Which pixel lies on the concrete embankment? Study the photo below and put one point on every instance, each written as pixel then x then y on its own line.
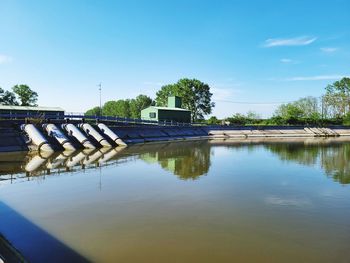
pixel 277 131
pixel 14 136
pixel 144 134
pixel 159 133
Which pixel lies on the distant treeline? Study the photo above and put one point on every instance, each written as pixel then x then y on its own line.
pixel 333 108
pixel 129 108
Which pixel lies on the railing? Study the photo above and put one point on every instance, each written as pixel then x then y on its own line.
pixel 79 116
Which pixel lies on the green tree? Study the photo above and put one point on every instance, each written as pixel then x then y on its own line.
pixel 337 98
pixel 252 115
pixel 346 119
pixel 119 108
pixel 26 95
pixel 309 107
pixel 139 103
pixel 237 119
pixel 302 111
pixel 290 112
pixel 251 118
pixel 196 96
pixel 123 108
pixel 110 108
pixel 93 112
pixel 7 97
pixel 213 120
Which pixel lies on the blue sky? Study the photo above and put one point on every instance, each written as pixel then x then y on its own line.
pixel 247 51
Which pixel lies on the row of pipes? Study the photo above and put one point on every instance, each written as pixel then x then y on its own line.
pixel 38 139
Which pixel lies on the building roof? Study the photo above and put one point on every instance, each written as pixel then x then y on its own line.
pixel 29 108
pixel 166 108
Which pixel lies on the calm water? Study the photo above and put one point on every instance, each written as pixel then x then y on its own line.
pixel 218 201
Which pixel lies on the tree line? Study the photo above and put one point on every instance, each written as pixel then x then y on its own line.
pixel 196 97
pixel 21 95
pixel 332 108
pixel 129 108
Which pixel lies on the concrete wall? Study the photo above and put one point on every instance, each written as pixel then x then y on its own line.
pixel 135 134
pixel 11 137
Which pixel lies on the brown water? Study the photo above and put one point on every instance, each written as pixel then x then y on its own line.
pixel 218 201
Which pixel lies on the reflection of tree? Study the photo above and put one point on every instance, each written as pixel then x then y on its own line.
pixel 297 152
pixel 334 158
pixel 336 163
pixel 186 160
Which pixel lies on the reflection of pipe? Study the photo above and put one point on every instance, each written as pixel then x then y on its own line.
pixel 92 158
pixel 59 136
pixel 37 161
pixel 104 128
pixel 91 131
pixel 37 138
pixel 75 132
pixel 109 155
pixel 73 161
pixel 59 160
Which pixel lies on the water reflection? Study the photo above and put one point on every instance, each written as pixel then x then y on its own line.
pixel 336 163
pixel 297 152
pixel 333 156
pixel 187 160
pixel 34 164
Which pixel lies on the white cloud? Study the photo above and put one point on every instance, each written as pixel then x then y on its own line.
pixel 319 77
pixel 329 49
pixel 288 61
pixel 296 41
pixel 5 59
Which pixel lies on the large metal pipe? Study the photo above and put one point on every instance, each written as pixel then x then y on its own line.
pixel 37 138
pixel 88 129
pixel 53 131
pixel 106 130
pixel 75 132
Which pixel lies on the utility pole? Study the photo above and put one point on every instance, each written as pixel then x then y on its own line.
pixel 100 89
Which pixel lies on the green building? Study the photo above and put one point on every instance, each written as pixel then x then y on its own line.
pixel 173 112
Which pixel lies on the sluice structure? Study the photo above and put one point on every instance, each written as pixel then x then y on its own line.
pixel 75 134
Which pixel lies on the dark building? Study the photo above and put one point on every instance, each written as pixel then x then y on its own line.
pixel 49 112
